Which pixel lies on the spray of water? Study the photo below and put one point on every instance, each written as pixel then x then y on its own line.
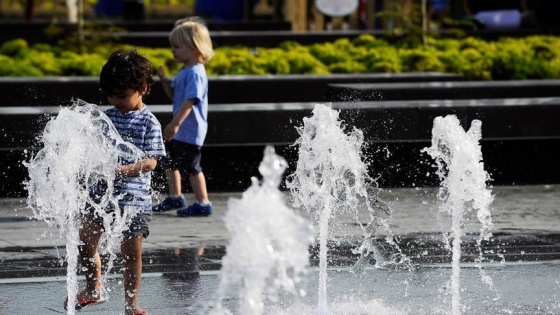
pixel 331 178
pixel 463 188
pixel 268 248
pixel 80 150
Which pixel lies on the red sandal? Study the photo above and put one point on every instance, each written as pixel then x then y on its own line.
pixel 83 302
pixel 138 312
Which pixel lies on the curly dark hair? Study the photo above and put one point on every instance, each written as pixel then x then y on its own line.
pixel 125 70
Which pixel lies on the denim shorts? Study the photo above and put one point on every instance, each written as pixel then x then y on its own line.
pixel 182 156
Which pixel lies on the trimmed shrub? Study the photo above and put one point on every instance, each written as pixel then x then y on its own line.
pixel 382 59
pixel 15 48
pixel 534 57
pixel 347 66
pixel 72 64
pixel 422 60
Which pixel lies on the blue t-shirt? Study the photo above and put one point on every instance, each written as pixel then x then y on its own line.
pixel 192 83
pixel 142 129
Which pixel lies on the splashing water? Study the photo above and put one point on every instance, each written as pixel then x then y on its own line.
pixel 80 150
pixel 463 187
pixel 268 248
pixel 331 179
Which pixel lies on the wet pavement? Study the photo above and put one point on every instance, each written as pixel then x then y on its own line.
pixel 526 227
pixel 526 231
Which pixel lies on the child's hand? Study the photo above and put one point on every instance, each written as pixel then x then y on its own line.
pixel 170 131
pixel 160 73
pixel 118 171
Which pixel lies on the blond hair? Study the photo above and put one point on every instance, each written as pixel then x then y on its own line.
pixel 193 32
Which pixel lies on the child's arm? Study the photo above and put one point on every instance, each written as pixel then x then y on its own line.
pixel 135 169
pixel 165 83
pixel 171 129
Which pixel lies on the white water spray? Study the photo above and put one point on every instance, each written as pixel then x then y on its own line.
pixel 331 179
pixel 80 150
pixel 268 248
pixel 463 186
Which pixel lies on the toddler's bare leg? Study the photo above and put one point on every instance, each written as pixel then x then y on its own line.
pixel 198 184
pixel 131 250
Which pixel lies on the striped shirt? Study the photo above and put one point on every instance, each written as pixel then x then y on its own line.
pixel 142 129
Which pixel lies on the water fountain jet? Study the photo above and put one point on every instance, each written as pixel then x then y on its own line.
pixel 80 151
pixel 463 188
pixel 268 248
pixel 331 178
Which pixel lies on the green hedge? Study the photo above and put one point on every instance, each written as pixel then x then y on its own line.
pixel 534 57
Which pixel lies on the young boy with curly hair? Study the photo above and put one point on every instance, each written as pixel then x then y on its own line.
pixel 125 78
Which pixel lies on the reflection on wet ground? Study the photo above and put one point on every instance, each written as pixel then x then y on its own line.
pixel 519 288
pixel 182 260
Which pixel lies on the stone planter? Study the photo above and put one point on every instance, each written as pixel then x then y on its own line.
pixel 395 112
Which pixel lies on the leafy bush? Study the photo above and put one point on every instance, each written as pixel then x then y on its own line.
pixel 305 64
pixel 347 66
pixel 383 59
pixel 160 58
pixel 72 64
pixel 369 41
pixel 45 62
pixel 422 60
pixel 14 48
pixel 514 60
pixel 273 62
pixel 10 67
pixel 328 53
pixel 534 57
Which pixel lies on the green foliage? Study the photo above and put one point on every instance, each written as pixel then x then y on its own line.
pixel 347 66
pixel 515 61
pixel 241 61
pixel 45 62
pixel 10 67
pixel 406 23
pixel 289 45
pixel 91 35
pixel 470 63
pixel 535 57
pixel 160 58
pixel 14 48
pixel 73 64
pixel 273 61
pixel 305 64
pixel 382 59
pixel 369 41
pixel 422 60
pixel 328 53
pixel 220 63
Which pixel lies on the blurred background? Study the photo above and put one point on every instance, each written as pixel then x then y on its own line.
pixel 297 15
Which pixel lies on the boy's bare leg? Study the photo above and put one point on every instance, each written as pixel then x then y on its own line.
pixel 90 233
pixel 173 182
pixel 131 250
pixel 198 184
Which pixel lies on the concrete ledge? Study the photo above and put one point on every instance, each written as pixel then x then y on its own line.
pixel 289 88
pixel 52 91
pixel 341 92
pixel 381 122
pixel 520 137
pixel 520 133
